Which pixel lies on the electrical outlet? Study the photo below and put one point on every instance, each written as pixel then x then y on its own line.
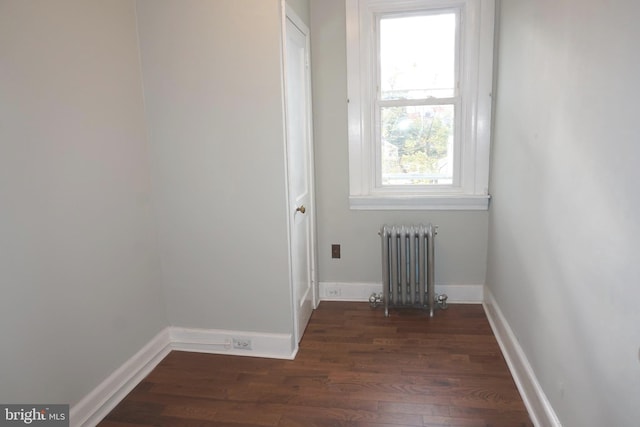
pixel 334 292
pixel 335 251
pixel 242 343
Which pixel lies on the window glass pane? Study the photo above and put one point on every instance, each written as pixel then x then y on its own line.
pixel 417 56
pixel 417 145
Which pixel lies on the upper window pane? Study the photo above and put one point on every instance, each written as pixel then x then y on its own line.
pixel 418 56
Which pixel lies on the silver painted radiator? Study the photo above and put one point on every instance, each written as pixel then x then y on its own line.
pixel 408 263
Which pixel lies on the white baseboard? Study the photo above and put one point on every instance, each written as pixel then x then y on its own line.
pixel 274 346
pixel 99 402
pixel 337 291
pixel 538 406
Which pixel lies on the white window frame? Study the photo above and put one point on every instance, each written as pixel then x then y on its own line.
pixel 470 188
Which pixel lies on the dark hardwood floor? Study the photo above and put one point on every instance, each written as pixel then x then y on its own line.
pixel 354 368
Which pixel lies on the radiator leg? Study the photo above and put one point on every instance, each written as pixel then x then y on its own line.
pixel 386 280
pixel 431 277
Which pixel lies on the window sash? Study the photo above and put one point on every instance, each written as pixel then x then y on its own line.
pixel 379 187
pixel 380 103
pixel 432 11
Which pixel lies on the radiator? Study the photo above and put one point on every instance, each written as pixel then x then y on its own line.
pixel 408 280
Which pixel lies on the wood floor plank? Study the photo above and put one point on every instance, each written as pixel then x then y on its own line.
pixel 354 368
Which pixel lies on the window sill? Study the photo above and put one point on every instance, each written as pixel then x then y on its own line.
pixel 426 203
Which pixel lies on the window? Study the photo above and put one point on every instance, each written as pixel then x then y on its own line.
pixel 419 86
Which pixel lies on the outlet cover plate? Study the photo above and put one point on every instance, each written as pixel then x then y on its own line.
pixel 242 343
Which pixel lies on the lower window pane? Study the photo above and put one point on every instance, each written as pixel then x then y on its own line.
pixel 417 145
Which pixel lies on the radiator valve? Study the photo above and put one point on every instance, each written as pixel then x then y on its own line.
pixel 441 300
pixel 375 299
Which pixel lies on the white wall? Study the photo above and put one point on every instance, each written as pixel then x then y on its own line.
pixel 564 263
pixel 213 90
pixel 79 269
pixel 462 238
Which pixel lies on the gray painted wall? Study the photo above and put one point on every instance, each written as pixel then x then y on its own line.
pixel 302 9
pixel 83 261
pixel 213 90
pixel 79 268
pixel 462 239
pixel 564 263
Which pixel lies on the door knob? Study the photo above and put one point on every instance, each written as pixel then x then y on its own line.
pixel 301 209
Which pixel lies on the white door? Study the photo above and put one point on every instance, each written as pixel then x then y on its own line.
pixel 300 170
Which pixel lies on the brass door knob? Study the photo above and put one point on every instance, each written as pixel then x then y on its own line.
pixel 301 209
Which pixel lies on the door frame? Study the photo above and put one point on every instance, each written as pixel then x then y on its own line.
pixel 287 13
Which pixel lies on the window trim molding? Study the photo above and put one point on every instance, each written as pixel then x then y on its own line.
pixel 445 202
pixel 477 50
